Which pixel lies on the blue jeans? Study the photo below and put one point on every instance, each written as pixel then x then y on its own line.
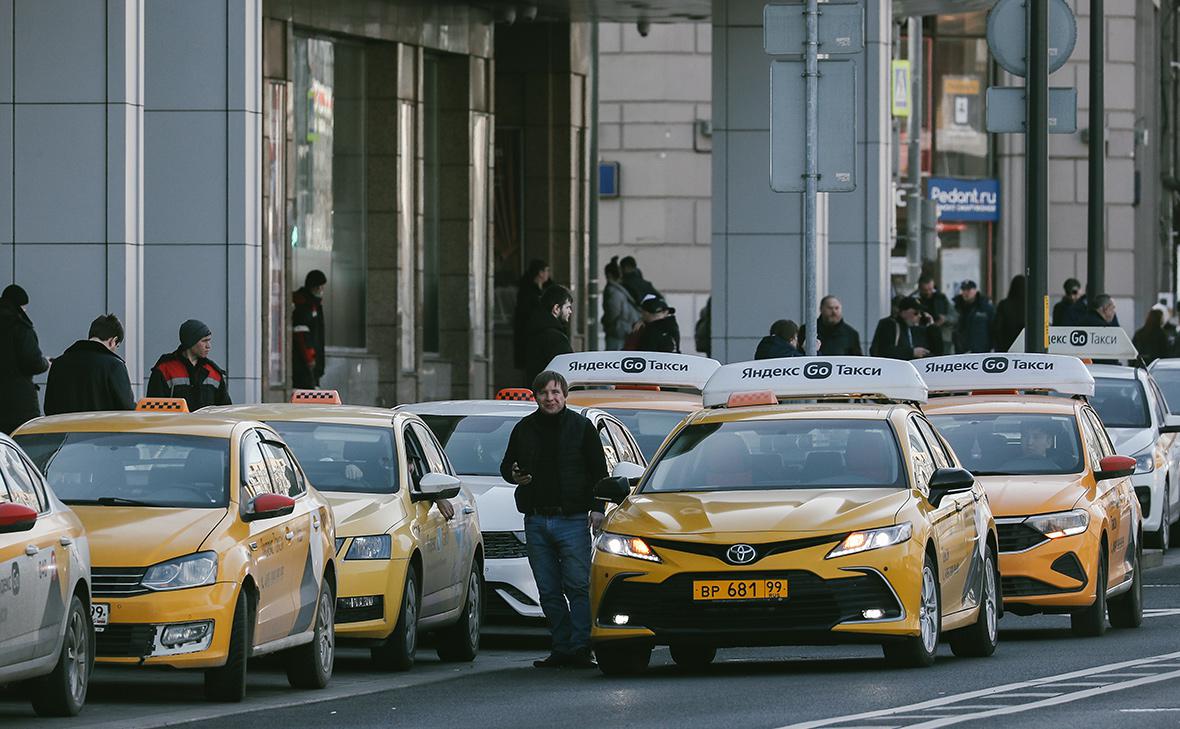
pixel 559 554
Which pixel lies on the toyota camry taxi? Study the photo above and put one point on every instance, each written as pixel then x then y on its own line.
pixel 810 503
pixel 208 545
pixel 649 392
pixel 1071 537
pixel 404 566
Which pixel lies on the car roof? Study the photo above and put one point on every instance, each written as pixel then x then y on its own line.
pixel 1171 363
pixel 980 404
pixel 681 402
pixel 199 423
pixel 1120 372
pixel 343 414
pixel 800 411
pixel 508 408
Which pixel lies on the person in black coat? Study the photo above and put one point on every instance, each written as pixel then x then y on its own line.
pixel 90 376
pixel 528 299
pixel 908 334
pixel 1152 340
pixel 1009 321
pixel 634 281
pixel 973 328
pixel 1101 314
pixel 659 331
pixel 307 344
pixel 781 342
pixel 1063 311
pixel 20 360
pixel 547 333
pixel 836 337
pixel 189 373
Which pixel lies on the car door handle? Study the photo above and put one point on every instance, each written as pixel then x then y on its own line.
pixel 31 550
pixel 289 535
pixel 315 521
pixel 468 510
pixel 958 506
pixel 253 546
pixel 66 541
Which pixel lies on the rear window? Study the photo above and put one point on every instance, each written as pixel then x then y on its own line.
pixel 348 458
pixel 1120 403
pixel 1013 444
pixel 475 444
pixel 133 469
pixel 779 454
pixel 648 427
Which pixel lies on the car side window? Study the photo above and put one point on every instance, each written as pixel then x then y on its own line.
pixel 284 476
pixel 255 476
pixel 920 457
pixel 608 447
pixel 1161 404
pixel 4 497
pixel 20 482
pixel 416 462
pixel 1101 437
pixel 434 456
pixel 626 451
pixel 942 459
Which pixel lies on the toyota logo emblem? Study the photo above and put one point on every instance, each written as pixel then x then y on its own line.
pixel 741 554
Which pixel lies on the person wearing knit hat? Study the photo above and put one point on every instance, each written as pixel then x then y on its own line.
pixel 307 341
pixel 20 361
pixel 188 372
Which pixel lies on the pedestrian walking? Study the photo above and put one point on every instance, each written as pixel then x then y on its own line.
pixel 781 342
pixel 973 327
pixel 20 360
pixel 836 337
pixel 188 372
pixel 307 344
pixel 547 334
pixel 1009 320
pixel 90 376
pixel 659 330
pixel 620 313
pixel 555 459
pixel 634 281
pixel 1101 313
pixel 703 332
pixel 1152 339
pixel 904 335
pixel 528 299
pixel 1063 310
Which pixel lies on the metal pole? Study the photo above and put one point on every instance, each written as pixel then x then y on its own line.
pixel 1036 234
pixel 1095 242
pixel 811 74
pixel 592 223
pixel 914 200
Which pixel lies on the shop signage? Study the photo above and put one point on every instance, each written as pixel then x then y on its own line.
pixel 965 200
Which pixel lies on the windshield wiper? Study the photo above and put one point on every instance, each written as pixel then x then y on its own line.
pixel 109 501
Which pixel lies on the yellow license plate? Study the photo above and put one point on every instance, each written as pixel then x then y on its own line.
pixel 756 589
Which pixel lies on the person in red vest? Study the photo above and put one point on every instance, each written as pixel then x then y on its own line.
pixel 188 372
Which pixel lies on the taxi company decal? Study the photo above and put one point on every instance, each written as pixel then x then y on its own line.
pixel 630 365
pixel 811 370
pixel 1082 338
pixel 991 365
pixel 11 583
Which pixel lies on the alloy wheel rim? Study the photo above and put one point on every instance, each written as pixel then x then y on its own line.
pixel 928 611
pixel 77 657
pixel 327 638
pixel 989 599
pixel 411 609
pixel 473 609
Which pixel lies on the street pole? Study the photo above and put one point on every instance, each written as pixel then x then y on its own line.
pixel 811 173
pixel 1036 232
pixel 1095 241
pixel 914 201
pixel 592 223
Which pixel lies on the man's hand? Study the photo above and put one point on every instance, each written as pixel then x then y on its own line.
pixel 352 472
pixel 596 518
pixel 920 352
pixel 445 508
pixel 521 478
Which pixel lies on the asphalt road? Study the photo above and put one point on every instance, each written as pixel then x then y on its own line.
pixel 1039 676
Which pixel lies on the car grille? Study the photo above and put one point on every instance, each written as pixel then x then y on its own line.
pixel 1028 586
pixel 124 640
pixel 503 545
pixel 117 581
pixel 346 614
pixel 1068 565
pixel 812 603
pixel 1018 537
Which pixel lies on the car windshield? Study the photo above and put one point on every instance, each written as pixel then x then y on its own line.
pixel 1120 403
pixel 351 458
pixel 1169 382
pixel 475 443
pixel 648 427
pixel 1013 444
pixel 133 469
pixel 779 454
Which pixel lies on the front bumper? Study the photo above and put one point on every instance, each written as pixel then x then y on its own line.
pixel 511 589
pixel 137 623
pixel 381 579
pixel 1149 489
pixel 1041 575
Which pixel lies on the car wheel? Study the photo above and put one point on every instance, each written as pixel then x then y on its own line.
pixel 1126 610
pixel 1162 537
pixel 397 652
pixel 460 642
pixel 63 691
pixel 309 666
pixel 623 658
pixel 919 651
pixel 693 656
pixel 1090 622
pixel 979 640
pixel 228 683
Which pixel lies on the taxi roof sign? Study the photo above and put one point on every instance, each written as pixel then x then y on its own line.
pixel 1088 342
pixel 162 404
pixel 818 378
pixel 515 393
pixel 665 369
pixel 316 397
pixel 1006 371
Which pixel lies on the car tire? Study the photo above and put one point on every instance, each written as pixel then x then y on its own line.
pixel 63 691
pixel 979 640
pixel 396 653
pixel 1162 538
pixel 692 656
pixel 460 642
pixel 623 658
pixel 309 666
pixel 228 683
pixel 920 650
pixel 1090 622
pixel 1126 610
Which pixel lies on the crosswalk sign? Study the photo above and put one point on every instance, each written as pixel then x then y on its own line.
pixel 900 82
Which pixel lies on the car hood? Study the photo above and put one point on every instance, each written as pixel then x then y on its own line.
pixel 1129 441
pixel 135 536
pixel 496 503
pixel 1027 495
pixel 814 511
pixel 359 514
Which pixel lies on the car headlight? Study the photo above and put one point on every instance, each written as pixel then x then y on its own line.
pixel 626 547
pixel 1061 524
pixel 1146 462
pixel 192 570
pixel 863 541
pixel 378 546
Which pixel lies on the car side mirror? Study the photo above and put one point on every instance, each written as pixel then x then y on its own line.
pixel 268 506
pixel 1114 467
pixel 1171 424
pixel 436 486
pixel 627 470
pixel 946 481
pixel 613 489
pixel 16 518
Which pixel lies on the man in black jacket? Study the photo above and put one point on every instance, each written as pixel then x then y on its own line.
pixel 781 342
pixel 20 360
pixel 307 344
pixel 90 376
pixel 973 328
pixel 547 335
pixel 188 372
pixel 837 338
pixel 659 331
pixel 555 459
pixel 909 334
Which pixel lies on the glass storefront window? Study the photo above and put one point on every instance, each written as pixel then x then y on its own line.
pixel 329 226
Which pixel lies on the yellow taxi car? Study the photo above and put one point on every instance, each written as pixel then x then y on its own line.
pixel 649 392
pixel 810 503
pixel 208 545
pixel 1070 527
pixel 408 545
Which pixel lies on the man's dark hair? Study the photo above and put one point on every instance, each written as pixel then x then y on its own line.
pixel 925 279
pixel 784 328
pixel 106 327
pixel 612 268
pixel 628 263
pixel 1100 301
pixel 315 278
pixel 541 381
pixel 555 295
pixel 1072 285
pixel 535 267
pixel 827 298
pixel 908 302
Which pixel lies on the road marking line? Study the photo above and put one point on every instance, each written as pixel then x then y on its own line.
pixel 1033 693
pixel 1123 675
pixel 1161 613
pixel 1088 683
pixel 1144 711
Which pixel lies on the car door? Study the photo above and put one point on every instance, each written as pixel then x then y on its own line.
pixel 968 548
pixel 608 446
pixel 431 529
pixel 13 608
pixel 1115 496
pixel 302 566
pixel 456 542
pixel 944 521
pixel 268 545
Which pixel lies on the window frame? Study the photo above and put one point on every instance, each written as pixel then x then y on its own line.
pixel 245 495
pixel 38 488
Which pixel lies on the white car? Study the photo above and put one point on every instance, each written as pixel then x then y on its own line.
pixel 474 434
pixel 1135 414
